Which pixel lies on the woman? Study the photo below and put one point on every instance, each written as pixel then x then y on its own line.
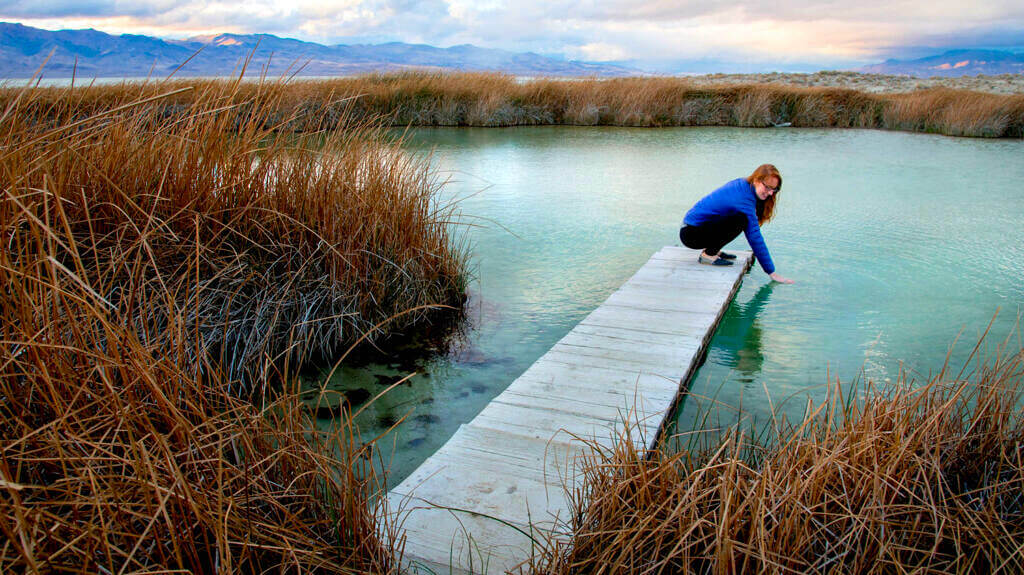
pixel 742 205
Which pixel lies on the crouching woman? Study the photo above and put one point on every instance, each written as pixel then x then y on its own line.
pixel 742 205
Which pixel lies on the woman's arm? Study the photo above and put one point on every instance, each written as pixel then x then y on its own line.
pixel 756 241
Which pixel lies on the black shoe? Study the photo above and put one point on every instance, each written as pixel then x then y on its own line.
pixel 719 261
pixel 726 256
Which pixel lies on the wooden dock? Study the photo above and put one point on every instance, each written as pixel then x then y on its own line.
pixel 476 505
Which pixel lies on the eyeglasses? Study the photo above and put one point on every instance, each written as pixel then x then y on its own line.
pixel 770 189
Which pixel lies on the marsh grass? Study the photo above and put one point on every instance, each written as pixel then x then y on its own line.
pixel 118 459
pixel 906 478
pixel 157 268
pixel 491 100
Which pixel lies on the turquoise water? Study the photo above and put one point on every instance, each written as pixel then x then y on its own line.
pixel 898 243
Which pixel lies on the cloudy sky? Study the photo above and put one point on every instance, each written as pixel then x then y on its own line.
pixel 822 33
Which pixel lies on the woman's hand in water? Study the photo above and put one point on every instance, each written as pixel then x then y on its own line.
pixel 782 280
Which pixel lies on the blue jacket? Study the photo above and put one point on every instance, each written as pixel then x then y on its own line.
pixel 735 197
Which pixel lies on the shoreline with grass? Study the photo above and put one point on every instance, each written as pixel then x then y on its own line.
pixel 1007 84
pixel 827 100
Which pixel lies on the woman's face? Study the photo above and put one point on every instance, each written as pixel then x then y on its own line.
pixel 766 188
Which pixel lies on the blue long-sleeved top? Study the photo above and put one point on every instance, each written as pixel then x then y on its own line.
pixel 735 197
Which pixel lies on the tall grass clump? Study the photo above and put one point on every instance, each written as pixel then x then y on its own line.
pixel 956 113
pixel 273 245
pixel 925 479
pixel 117 458
pixel 135 249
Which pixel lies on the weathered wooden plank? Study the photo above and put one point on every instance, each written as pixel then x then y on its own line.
pixel 644 351
pixel 587 406
pixel 676 253
pixel 681 276
pixel 636 334
pixel 546 424
pixel 691 269
pixel 524 449
pixel 569 355
pixel 678 323
pixel 682 286
pixel 443 541
pixel 618 379
pixel 602 339
pixel 612 395
pixel 478 504
pixel 481 483
pixel 548 462
pixel 643 297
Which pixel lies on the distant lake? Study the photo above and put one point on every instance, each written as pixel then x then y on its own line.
pixel 899 243
pixel 83 81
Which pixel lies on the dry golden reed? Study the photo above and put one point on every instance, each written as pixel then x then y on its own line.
pixel 275 245
pixel 115 458
pixel 906 479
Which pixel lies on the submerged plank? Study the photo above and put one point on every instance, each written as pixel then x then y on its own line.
pixel 501 484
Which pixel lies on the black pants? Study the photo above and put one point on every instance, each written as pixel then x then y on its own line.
pixel 711 236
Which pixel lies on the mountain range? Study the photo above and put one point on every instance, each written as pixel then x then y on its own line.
pixel 95 54
pixel 954 63
pixel 90 53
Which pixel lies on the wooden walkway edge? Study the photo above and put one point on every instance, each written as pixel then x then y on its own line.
pixel 500 482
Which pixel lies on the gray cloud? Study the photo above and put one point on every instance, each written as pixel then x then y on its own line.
pixel 80 8
pixel 906 11
pixel 781 30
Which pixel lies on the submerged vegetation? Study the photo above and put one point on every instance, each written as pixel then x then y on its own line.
pixel 479 99
pixel 926 479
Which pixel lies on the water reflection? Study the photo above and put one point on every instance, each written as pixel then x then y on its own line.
pixel 739 346
pixel 742 333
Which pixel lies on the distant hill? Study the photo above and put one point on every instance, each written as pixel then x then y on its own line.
pixel 954 63
pixel 23 49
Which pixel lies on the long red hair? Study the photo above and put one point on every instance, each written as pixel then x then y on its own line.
pixel 766 208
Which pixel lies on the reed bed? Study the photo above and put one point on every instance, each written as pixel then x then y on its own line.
pixel 117 458
pixel 901 479
pixel 493 100
pixel 274 245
